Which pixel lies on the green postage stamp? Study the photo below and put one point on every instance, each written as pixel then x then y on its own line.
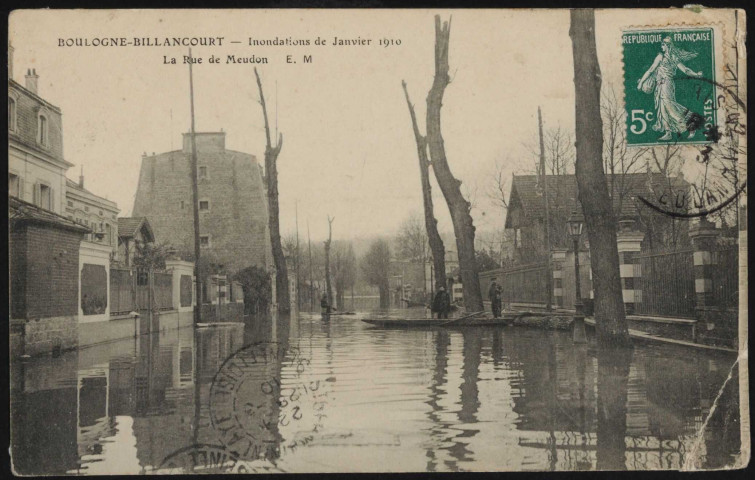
pixel 669 85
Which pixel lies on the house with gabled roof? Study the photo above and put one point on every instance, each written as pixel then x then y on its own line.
pixel 525 216
pixel 132 231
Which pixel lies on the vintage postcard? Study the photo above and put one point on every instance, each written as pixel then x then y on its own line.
pixel 302 241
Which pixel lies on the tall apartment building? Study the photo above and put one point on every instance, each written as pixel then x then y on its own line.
pixel 233 218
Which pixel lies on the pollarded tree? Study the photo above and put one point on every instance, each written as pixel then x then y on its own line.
pixel 344 270
pixel 375 266
pixel 458 206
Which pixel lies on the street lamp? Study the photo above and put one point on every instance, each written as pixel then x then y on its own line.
pixel 574 225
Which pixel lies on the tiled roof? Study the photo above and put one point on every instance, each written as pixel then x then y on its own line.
pixel 20 210
pixel 129 226
pixel 562 190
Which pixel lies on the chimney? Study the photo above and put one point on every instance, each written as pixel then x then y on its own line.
pixel 10 61
pixel 31 80
pixel 81 177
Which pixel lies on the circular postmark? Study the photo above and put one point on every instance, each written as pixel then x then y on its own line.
pixel 201 458
pixel 709 178
pixel 258 393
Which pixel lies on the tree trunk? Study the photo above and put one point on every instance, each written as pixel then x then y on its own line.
pixel 458 206
pixel 431 224
pixel 327 262
pixel 612 392
pixel 385 296
pixel 271 171
pixel 610 320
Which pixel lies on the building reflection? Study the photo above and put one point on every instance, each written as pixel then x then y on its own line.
pixel 65 409
pixel 576 408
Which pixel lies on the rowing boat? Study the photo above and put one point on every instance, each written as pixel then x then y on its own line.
pixel 435 322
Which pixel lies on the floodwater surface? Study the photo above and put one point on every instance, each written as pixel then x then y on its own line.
pixel 312 395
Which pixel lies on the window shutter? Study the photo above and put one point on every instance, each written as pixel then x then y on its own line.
pixel 36 194
pixel 52 200
pixel 21 188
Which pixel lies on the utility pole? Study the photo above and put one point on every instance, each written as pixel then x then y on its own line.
pixel 311 285
pixel 298 297
pixel 195 203
pixel 548 271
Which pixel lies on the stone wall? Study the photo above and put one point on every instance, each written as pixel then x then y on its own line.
pixel 228 312
pixel 236 217
pixel 50 335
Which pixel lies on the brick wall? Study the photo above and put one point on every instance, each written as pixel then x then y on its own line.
pixel 237 217
pixel 44 271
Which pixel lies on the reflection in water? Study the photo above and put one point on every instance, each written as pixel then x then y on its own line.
pixel 434 400
pixel 613 377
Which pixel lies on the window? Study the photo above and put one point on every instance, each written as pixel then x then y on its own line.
pixel 42 134
pixel 182 204
pixel 86 208
pixel 14 185
pixel 100 212
pixel 202 173
pixel 70 203
pixel 11 114
pixel 204 240
pixel 204 205
pixel 45 197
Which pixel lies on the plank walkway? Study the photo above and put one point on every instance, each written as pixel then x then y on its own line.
pixel 655 338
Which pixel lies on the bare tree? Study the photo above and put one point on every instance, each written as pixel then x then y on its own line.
pixel 458 206
pixel 437 247
pixel 413 244
pixel 375 266
pixel 618 160
pixel 497 191
pixel 271 176
pixel 344 270
pixel 610 320
pixel 558 144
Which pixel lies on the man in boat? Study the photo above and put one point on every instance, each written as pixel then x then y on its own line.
pixel 441 302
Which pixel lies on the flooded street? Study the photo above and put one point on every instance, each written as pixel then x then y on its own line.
pixel 308 394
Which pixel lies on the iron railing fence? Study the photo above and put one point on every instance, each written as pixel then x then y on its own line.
pixel 121 291
pixel 725 276
pixel 664 284
pixel 163 290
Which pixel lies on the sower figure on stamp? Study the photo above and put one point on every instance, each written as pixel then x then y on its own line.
pixel 671 117
pixel 441 302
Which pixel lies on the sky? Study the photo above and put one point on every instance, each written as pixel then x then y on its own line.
pixel 348 150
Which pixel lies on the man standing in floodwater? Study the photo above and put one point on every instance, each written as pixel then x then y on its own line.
pixel 324 304
pixel 441 302
pixel 494 295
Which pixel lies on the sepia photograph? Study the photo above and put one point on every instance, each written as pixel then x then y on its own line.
pixel 377 240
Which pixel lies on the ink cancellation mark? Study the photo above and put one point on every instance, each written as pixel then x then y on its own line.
pixel 250 404
pixel 201 458
pixel 714 180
